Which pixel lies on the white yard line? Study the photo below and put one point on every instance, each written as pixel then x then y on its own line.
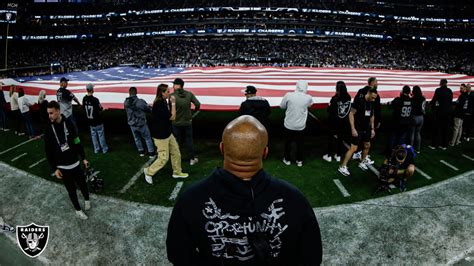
pixel 468 157
pixel 176 190
pixel 422 173
pixel 373 169
pixel 14 147
pixel 19 156
pixel 38 162
pixel 449 165
pixel 461 256
pixel 341 188
pixel 136 176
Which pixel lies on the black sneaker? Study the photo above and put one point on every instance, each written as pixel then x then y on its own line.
pixel 403 185
pixel 152 155
pixel 142 153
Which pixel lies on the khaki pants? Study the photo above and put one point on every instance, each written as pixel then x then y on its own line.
pixel 457 131
pixel 165 148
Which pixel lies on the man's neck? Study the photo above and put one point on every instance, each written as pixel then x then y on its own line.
pixel 59 119
pixel 242 170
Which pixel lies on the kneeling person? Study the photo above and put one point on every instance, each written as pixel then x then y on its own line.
pixel 400 165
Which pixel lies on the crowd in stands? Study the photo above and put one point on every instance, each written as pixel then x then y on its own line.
pixel 172 52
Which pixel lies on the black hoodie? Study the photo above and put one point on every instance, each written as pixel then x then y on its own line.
pixel 55 156
pixel 213 220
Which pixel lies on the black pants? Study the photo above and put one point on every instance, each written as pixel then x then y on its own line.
pixel 17 121
pixel 185 132
pixel 296 136
pixel 441 130
pixel 338 134
pixel 467 125
pixel 70 179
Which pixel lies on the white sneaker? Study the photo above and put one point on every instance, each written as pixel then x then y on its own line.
pixel 327 158
pixel 344 170
pixel 357 155
pixel 148 179
pixel 299 163
pixel 337 158
pixel 193 161
pixel 367 160
pixel 81 215
pixel 363 166
pixel 286 162
pixel 87 205
pixel 180 175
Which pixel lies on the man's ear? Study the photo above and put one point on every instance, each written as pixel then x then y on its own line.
pixel 265 152
pixel 221 147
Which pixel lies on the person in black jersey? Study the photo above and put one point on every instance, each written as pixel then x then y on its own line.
pixel 63 147
pixel 92 109
pixel 362 121
pixel 442 106
pixel 419 106
pixel 402 118
pixel 338 109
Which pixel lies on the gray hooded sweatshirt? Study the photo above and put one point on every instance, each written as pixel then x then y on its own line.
pixel 136 109
pixel 296 105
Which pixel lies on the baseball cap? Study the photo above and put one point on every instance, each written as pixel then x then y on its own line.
pixel 178 81
pixel 63 79
pixel 90 87
pixel 250 90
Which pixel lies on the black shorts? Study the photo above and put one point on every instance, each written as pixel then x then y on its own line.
pixel 362 136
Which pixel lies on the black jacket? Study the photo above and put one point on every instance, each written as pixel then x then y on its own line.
pixel 442 101
pixel 257 107
pixel 213 220
pixel 161 126
pixel 53 150
pixel 461 105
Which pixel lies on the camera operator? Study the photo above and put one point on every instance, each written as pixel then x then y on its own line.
pixel 240 215
pixel 400 166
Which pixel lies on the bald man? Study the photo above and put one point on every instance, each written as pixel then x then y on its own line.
pixel 240 215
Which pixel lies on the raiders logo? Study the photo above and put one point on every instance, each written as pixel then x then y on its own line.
pixel 8 16
pixel 32 239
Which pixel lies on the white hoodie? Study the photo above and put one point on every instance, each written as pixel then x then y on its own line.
pixel 296 105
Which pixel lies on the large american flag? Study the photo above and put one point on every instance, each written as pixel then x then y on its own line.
pixel 220 88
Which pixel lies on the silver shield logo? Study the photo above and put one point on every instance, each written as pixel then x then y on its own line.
pixel 32 239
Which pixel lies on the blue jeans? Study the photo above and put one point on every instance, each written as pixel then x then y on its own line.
pixel 98 138
pixel 415 139
pixel 187 133
pixel 30 131
pixel 3 118
pixel 143 132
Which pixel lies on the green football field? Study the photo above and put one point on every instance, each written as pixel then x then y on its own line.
pixel 316 178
